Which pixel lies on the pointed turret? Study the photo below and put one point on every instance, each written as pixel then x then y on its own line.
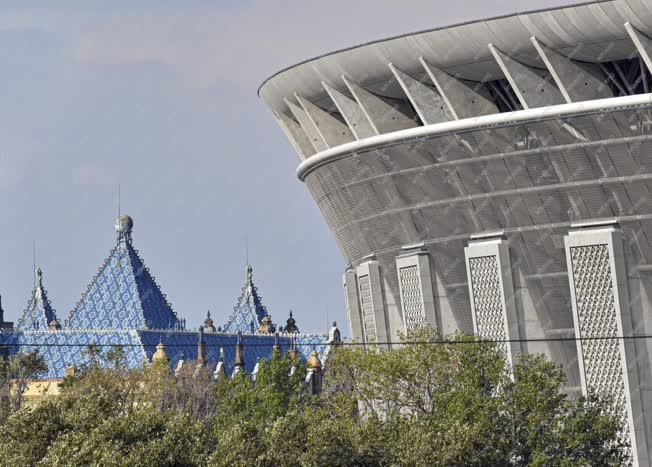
pixel 314 373
pixel 4 325
pixel 123 294
pixel 220 372
pixel 201 348
pixel 291 325
pixel 179 368
pixel 334 335
pixel 249 310
pixel 254 373
pixel 276 349
pixel 238 363
pixel 209 325
pixel 39 312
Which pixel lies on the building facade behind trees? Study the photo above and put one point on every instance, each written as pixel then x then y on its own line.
pixel 494 177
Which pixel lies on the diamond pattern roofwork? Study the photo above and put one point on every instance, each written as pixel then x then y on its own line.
pixel 123 306
pixel 249 310
pixel 39 312
pixel 65 348
pixel 123 294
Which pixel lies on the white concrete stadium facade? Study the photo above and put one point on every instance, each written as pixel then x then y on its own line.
pixel 494 177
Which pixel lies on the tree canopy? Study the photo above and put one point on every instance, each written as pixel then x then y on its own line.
pixel 430 401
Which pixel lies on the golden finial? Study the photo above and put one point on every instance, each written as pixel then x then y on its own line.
pixel 313 360
pixel 160 355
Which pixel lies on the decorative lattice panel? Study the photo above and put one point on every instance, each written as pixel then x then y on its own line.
pixel 487 299
pixel 597 321
pixel 369 322
pixel 410 283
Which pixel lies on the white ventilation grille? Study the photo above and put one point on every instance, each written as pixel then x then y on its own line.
pixel 369 322
pixel 488 300
pixel 412 296
pixel 597 323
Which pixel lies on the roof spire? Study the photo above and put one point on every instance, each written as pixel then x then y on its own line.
pixel 201 347
pixel 39 312
pixel 239 357
pixel 249 310
pixel 209 325
pixel 276 350
pixel 39 278
pixel 291 325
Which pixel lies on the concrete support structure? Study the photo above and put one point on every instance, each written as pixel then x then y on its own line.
pixel 464 99
pixel 576 81
pixel 383 115
pixel 352 301
pixel 491 289
pixel 603 326
pixel 372 303
pixel 352 113
pixel 533 87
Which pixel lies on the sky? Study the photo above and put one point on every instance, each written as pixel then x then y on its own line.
pixel 159 98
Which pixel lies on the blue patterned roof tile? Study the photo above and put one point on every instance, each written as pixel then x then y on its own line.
pixel 123 295
pixel 39 312
pixel 249 310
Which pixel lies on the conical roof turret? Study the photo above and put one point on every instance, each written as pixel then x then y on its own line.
pixel 39 312
pixel 123 294
pixel 249 311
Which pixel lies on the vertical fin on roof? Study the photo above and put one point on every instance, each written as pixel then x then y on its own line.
pixel 296 135
pixel 331 129
pixel 464 100
pixel 352 113
pixel 308 126
pixel 428 103
pixel 577 81
pixel 383 114
pixel 532 86
pixel 643 44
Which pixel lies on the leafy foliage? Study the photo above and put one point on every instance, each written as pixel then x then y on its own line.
pixel 430 401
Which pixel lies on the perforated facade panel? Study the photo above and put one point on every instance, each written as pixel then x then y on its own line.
pixel 412 296
pixel 487 299
pixel 597 322
pixel 368 321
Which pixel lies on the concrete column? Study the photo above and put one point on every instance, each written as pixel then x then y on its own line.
pixel 491 289
pixel 352 301
pixel 415 287
pixel 371 302
pixel 599 294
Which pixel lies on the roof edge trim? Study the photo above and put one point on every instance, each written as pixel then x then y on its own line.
pixel 501 119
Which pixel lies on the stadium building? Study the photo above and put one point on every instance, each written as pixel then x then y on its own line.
pixel 494 177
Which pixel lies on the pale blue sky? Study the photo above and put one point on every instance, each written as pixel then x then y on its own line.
pixel 160 97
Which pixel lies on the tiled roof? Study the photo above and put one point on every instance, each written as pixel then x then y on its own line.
pixel 123 295
pixel 64 348
pixel 249 310
pixel 124 306
pixel 39 312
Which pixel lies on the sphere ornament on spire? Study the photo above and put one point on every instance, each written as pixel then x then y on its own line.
pixel 124 224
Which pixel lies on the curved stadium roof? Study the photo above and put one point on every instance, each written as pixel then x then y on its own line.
pixel 587 32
